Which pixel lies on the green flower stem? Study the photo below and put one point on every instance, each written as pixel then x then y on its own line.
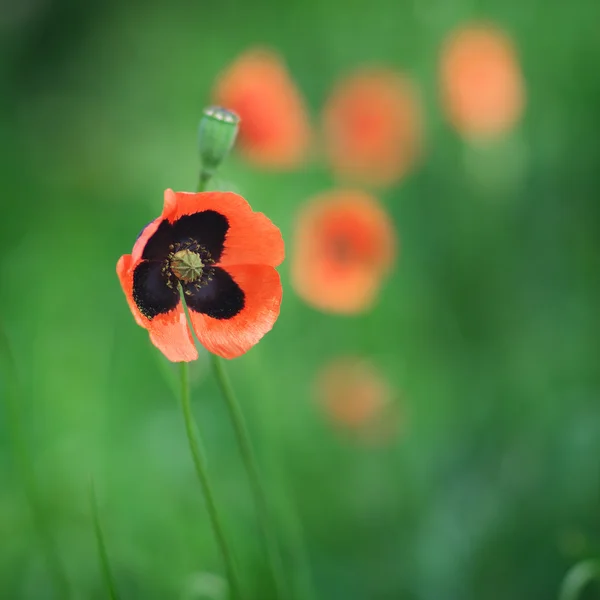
pixel 201 471
pixel 578 578
pixel 295 536
pixel 195 447
pixel 14 397
pixel 103 554
pixel 246 450
pixel 203 181
pixel 250 464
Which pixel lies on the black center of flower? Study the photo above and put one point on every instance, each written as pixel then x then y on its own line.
pixel 187 262
pixel 185 253
pixel 341 249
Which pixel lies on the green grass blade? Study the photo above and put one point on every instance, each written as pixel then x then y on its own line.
pixel 577 578
pixel 102 553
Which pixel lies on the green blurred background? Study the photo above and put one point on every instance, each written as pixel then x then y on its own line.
pixel 488 328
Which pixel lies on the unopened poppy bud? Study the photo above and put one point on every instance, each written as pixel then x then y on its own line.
pixel 216 136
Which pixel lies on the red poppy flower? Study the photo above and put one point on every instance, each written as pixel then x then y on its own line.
pixel 344 245
pixel 356 396
pixel 223 255
pixel 352 391
pixel 274 130
pixel 481 82
pixel 372 125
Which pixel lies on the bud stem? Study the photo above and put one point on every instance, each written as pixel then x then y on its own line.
pixel 205 177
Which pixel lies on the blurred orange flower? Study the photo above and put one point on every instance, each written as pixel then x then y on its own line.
pixel 481 82
pixel 344 245
pixel 274 128
pixel 355 395
pixel 373 127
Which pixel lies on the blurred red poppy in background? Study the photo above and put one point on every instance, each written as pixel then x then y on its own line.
pixel 372 126
pixel 274 129
pixel 222 255
pixel 344 245
pixel 355 396
pixel 482 88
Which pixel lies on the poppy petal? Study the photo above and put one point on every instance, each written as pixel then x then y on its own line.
pixel 151 291
pixel 220 298
pixel 172 336
pixel 330 289
pixel 251 238
pixel 207 227
pixel 232 337
pixel 157 246
pixel 168 331
pixel 142 239
pixel 125 274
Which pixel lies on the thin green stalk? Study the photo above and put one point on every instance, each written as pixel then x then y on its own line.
pixel 578 578
pixel 102 553
pixel 249 460
pixel 203 181
pixel 213 513
pixel 295 535
pixel 196 449
pixel 250 464
pixel 14 397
